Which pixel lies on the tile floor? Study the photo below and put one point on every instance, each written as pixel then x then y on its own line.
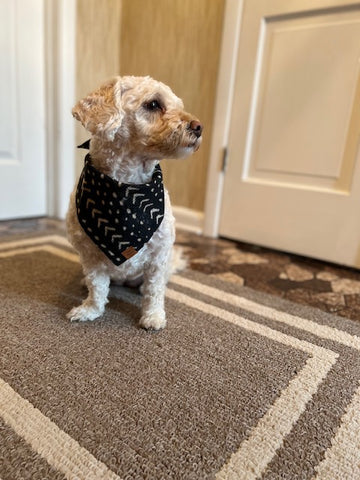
pixel 323 285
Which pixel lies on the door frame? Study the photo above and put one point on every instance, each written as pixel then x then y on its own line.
pixel 60 57
pixel 222 115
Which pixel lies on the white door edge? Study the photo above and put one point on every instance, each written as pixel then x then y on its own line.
pixel 222 114
pixel 60 32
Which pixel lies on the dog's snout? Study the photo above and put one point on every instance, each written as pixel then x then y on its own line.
pixel 196 128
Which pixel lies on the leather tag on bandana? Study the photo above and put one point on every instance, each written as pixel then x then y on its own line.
pixel 119 218
pixel 129 252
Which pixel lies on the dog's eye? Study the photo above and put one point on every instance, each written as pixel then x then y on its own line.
pixel 153 105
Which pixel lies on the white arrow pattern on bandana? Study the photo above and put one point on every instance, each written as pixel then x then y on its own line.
pixel 120 219
pixel 137 195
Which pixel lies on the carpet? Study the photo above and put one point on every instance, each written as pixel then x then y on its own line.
pixel 240 385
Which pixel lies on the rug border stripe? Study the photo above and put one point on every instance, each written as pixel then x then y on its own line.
pixel 321 331
pixel 41 248
pixel 255 453
pixel 35 241
pixel 259 328
pixel 60 450
pixel 343 448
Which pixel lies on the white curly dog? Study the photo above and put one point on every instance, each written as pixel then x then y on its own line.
pixel 135 122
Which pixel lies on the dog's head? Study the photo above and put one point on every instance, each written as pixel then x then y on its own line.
pixel 140 115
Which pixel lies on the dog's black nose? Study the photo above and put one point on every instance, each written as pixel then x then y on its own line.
pixel 196 128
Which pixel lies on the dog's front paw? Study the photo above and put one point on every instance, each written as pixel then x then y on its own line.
pixel 153 321
pixel 83 313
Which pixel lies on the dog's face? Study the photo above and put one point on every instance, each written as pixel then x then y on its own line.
pixel 142 116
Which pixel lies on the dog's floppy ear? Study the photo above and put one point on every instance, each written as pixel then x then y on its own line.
pixel 101 112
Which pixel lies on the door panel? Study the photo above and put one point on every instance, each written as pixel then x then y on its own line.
pixel 22 120
pixel 293 173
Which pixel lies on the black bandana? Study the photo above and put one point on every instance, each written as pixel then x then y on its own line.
pixel 119 218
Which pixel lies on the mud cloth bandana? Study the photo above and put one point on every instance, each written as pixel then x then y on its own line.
pixel 119 218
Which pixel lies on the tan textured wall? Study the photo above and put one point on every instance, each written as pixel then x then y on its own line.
pixel 98 42
pixel 97 49
pixel 178 42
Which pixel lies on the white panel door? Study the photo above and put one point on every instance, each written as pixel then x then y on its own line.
pixel 22 107
pixel 293 179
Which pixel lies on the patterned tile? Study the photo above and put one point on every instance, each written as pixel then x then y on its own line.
pixel 330 287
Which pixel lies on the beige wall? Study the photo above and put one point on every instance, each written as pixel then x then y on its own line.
pixel 178 42
pixel 98 43
pixel 98 25
pixel 175 41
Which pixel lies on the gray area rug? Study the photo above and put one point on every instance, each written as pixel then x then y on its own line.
pixel 238 386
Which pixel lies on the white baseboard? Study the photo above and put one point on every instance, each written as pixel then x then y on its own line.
pixel 188 219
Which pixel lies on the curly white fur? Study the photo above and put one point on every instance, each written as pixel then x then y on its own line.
pixel 134 122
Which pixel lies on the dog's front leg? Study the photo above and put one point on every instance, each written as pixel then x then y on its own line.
pixel 153 290
pixel 94 305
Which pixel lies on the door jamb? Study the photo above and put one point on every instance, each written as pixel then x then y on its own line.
pixel 222 115
pixel 60 43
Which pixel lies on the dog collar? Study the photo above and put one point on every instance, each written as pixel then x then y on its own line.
pixel 119 218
